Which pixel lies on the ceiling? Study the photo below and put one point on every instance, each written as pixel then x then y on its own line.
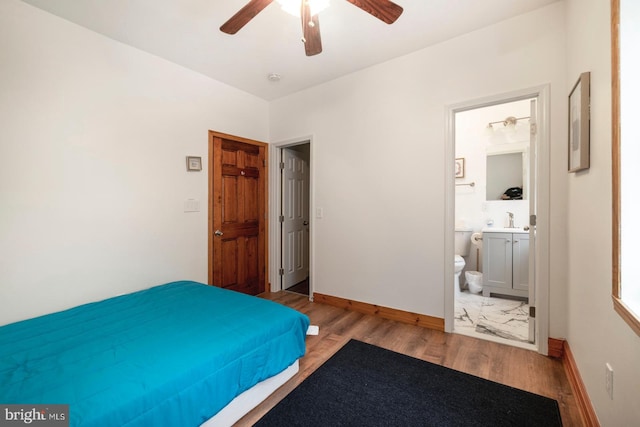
pixel 187 32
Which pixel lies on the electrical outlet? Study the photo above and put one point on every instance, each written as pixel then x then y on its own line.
pixel 609 380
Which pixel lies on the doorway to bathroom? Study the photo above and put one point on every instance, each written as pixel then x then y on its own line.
pixel 496 149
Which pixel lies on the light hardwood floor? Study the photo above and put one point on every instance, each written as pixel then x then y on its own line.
pixel 523 369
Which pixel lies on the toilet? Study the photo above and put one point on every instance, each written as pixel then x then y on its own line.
pixel 462 245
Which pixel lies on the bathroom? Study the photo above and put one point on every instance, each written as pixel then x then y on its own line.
pixel 493 194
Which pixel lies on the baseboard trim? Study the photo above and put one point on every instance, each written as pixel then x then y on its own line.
pixel 384 312
pixel 579 390
pixel 556 348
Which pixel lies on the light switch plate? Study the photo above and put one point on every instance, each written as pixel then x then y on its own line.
pixel 609 380
pixel 192 205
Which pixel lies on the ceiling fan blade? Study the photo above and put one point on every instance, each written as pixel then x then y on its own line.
pixel 310 30
pixel 385 10
pixel 244 15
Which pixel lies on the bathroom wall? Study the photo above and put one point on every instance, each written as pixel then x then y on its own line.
pixel 473 141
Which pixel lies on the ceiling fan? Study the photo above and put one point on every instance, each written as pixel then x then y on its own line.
pixel 385 10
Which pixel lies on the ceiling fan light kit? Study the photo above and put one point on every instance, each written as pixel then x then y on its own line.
pixel 385 10
pixel 292 7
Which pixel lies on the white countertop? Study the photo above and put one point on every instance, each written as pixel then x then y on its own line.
pixel 503 230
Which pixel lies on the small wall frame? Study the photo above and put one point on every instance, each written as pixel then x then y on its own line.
pixel 579 119
pixel 459 167
pixel 194 164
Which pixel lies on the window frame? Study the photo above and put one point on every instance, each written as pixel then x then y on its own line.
pixel 630 317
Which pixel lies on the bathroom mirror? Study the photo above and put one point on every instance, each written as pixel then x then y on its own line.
pixel 505 170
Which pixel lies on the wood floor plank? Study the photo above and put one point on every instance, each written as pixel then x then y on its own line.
pixel 512 366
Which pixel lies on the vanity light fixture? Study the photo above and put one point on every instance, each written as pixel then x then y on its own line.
pixel 509 122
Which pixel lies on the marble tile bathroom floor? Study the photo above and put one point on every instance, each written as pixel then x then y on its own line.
pixel 497 319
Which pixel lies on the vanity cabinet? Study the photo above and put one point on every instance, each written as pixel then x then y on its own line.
pixel 505 264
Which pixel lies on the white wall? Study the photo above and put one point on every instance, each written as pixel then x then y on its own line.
pixel 379 155
pixel 93 139
pixel 596 333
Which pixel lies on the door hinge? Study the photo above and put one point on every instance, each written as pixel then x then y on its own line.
pixel 281 272
pixel 532 219
pixel 264 163
pixel 282 165
pixel 532 312
pixel 533 128
pixel 281 218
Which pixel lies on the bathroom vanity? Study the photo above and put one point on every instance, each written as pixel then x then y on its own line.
pixel 505 264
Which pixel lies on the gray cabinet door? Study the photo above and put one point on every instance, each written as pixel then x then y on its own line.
pixel 497 260
pixel 521 261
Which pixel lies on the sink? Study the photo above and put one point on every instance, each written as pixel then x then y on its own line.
pixel 504 230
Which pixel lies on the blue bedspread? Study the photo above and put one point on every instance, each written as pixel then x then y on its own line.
pixel 171 355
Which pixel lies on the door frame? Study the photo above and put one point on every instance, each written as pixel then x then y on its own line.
pixel 543 178
pixel 265 170
pixel 275 195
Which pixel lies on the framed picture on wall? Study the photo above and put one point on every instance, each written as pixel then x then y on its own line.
pixel 579 100
pixel 194 163
pixel 459 167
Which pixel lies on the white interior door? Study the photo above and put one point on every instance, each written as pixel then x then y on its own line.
pixel 295 216
pixel 533 150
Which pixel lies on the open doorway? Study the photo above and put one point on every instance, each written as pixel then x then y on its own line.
pixel 294 218
pixel 499 278
pixel 492 238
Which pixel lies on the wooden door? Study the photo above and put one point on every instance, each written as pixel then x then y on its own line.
pixel 237 213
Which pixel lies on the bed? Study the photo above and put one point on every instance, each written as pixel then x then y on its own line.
pixel 175 355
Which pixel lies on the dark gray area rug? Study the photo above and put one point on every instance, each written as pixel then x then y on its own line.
pixel 365 385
